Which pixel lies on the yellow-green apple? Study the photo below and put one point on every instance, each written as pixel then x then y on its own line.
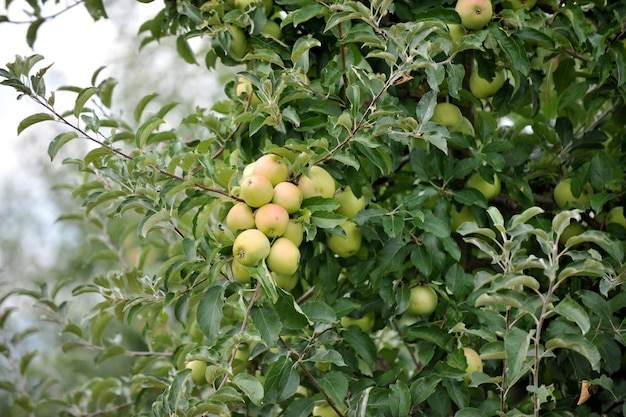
pixel 273 167
pixel 366 322
pixel 563 196
pixel 294 232
pixel 198 368
pixel 517 4
pixel 346 246
pixel 271 219
pixel 460 217
pixel 248 170
pixel 238 43
pixel 483 88
pixel 475 14
pixel 286 282
pixel 244 86
pixel 319 184
pixel 251 247
pixel 240 217
pixel 474 363
pixel 240 362
pixel 240 272
pixel 284 257
pixel 349 204
pixel 456 31
pixel 489 190
pixel 256 190
pixel 272 29
pixel 423 300
pixel 447 114
pixel 616 216
pixel 288 196
pixel 571 230
pixel 325 410
pixel 465 127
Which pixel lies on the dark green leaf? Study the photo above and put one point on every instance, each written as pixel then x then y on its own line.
pixel 209 314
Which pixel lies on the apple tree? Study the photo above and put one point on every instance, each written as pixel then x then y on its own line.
pixel 399 209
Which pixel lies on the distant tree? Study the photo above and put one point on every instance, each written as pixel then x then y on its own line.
pixel 400 208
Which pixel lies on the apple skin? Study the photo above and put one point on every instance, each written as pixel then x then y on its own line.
pixel 616 216
pixel 460 217
pixel 256 190
pixel 466 127
pixel 198 369
pixel 240 272
pixel 319 184
pixel 563 196
pixel 349 205
pixel 324 410
pixel 447 114
pixel 284 257
pixel 243 4
pixel 288 196
pixel 271 219
pixel 294 232
pixel 490 191
pixel 482 88
pixel 273 167
pixel 251 247
pixel 244 86
pixel 573 229
pixel 518 4
pixel 286 282
pixel 475 14
pixel 348 246
pixel 272 29
pixel 474 363
pixel 423 300
pixel 456 31
pixel 240 217
pixel 366 323
pixel 239 42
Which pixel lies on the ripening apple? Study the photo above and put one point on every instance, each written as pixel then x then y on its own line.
pixel 324 410
pixel 247 170
pixel 198 368
pixel 460 217
pixel 571 230
pixel 240 363
pixel 271 219
pixel 616 216
pixel 456 31
pixel 346 246
pixel 474 363
pixel 518 4
pixel 256 190
pixel 288 196
pixel 286 282
pixel 244 86
pixel 238 43
pixel 240 272
pixel 366 322
pixel 475 14
pixel 483 88
pixel 273 167
pixel 272 29
pixel 489 190
pixel 447 114
pixel 563 196
pixel 349 204
pixel 284 257
pixel 423 300
pixel 319 184
pixel 294 232
pixel 251 247
pixel 240 217
pixel 465 127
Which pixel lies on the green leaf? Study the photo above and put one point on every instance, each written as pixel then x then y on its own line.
pixel 319 312
pixel 470 412
pixel 361 343
pixel 422 388
pixel 574 312
pixel 578 344
pixel 58 142
pixel 400 399
pixel 151 220
pixel 513 50
pixel 250 386
pixel 335 384
pixel 209 314
pixel 516 345
pixel 184 50
pixel 281 380
pixel 140 107
pixel 110 352
pixel 290 312
pixel 145 130
pixel 82 99
pixel 300 52
pixel 32 119
pixel 267 322
pixel 31 32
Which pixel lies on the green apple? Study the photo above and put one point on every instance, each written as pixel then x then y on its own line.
pixel 288 196
pixel 346 246
pixel 198 368
pixel 616 216
pixel 272 29
pixel 460 217
pixel 518 4
pixel 244 86
pixel 284 257
pixel 251 247
pixel 325 410
pixel 319 184
pixel 447 114
pixel 238 43
pixel 240 217
pixel 489 190
pixel 366 322
pixel 563 196
pixel 482 88
pixel 573 229
pixel 474 363
pixel 349 205
pixel 240 363
pixel 271 219
pixel 286 282
pixel 256 190
pixel 294 232
pixel 247 171
pixel 273 167
pixel 456 31
pixel 423 300
pixel 475 14
pixel 240 272
pixel 465 127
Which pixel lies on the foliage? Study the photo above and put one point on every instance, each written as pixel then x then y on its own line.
pixel 352 86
